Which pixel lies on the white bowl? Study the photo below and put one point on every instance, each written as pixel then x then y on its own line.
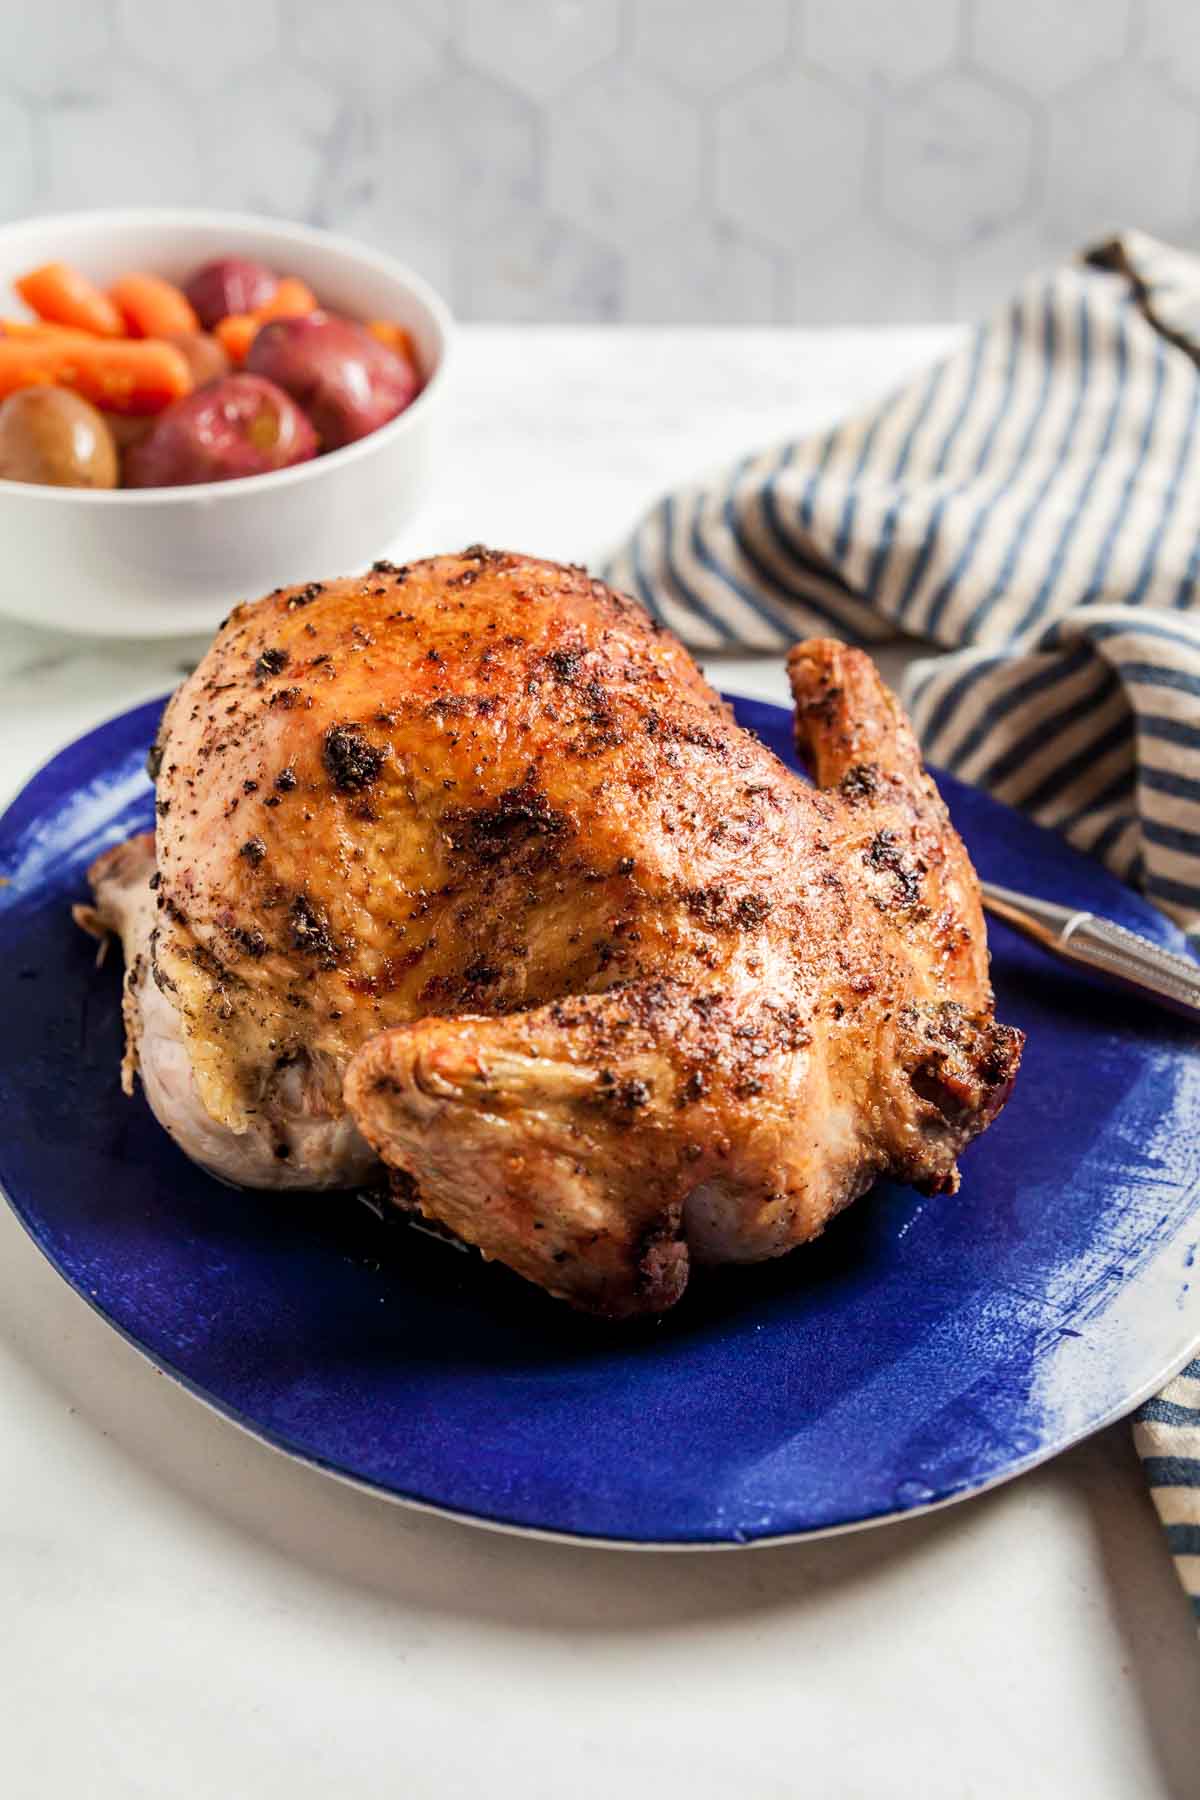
pixel 159 561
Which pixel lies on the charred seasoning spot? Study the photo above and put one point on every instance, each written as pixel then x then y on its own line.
pixel 352 762
pixel 1001 1056
pixel 884 853
pixel 716 908
pixel 285 781
pixel 860 782
pixel 154 761
pixel 253 850
pixel 521 816
pixel 310 931
pixel 564 664
pixel 750 910
pixel 270 662
pixel 306 595
pixel 705 903
pixel 627 1096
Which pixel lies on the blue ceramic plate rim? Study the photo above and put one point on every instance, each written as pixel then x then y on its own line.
pixel 81 760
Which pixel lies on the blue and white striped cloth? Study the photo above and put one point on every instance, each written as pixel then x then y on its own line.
pixel 1031 507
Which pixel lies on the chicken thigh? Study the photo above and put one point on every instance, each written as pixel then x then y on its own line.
pixel 465 865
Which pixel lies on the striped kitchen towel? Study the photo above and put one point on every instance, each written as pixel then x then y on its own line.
pixel 1031 508
pixel 1167 1434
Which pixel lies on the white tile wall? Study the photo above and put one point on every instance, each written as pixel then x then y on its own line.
pixel 881 45
pixel 227 39
pixel 1040 48
pixel 957 161
pixel 683 160
pixel 1123 145
pixel 701 47
pixel 791 156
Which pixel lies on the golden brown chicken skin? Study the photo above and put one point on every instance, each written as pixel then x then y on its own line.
pixel 472 848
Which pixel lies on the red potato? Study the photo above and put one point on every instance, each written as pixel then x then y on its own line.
pixel 230 285
pixel 238 425
pixel 348 383
pixel 205 356
pixel 126 430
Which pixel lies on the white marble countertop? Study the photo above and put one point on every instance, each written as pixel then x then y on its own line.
pixel 189 1614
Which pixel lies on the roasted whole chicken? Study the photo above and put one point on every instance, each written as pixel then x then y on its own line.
pixel 463 866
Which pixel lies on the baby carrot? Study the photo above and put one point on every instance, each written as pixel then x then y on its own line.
pixel 139 376
pixel 236 332
pixel 291 300
pixel 152 307
pixel 38 328
pixel 61 294
pixel 394 336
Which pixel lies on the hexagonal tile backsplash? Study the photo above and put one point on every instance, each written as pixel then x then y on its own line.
pixel 689 161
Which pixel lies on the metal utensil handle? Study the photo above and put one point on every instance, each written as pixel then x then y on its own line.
pixel 1116 951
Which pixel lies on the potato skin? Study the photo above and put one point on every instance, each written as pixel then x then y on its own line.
pixel 239 425
pixel 51 436
pixel 231 284
pixel 347 382
pixel 128 429
pixel 204 354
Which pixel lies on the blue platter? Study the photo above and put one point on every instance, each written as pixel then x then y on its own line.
pixel 922 1350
